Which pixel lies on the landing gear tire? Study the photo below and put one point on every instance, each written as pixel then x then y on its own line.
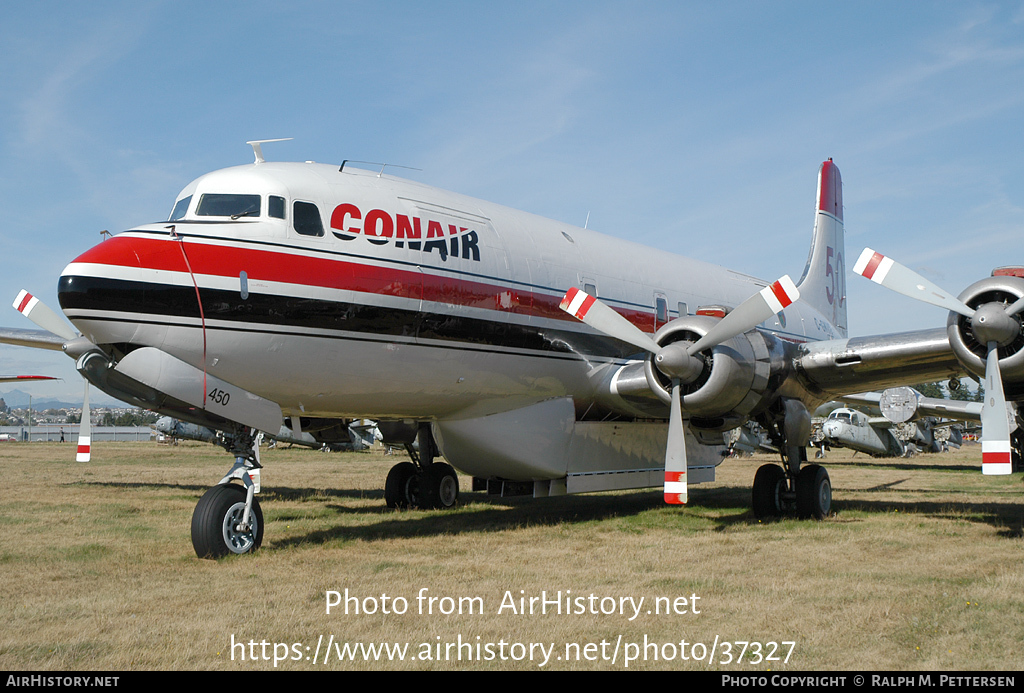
pixel 215 523
pixel 439 485
pixel 769 487
pixel 813 492
pixel 401 489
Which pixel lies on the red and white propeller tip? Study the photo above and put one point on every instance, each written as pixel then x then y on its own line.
pixel 42 315
pixel 84 453
pixel 590 311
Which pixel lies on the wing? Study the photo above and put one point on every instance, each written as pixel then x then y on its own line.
pixel 23 378
pixel 39 339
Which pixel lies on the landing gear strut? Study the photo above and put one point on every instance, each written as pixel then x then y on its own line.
pixel 806 490
pixel 422 483
pixel 228 518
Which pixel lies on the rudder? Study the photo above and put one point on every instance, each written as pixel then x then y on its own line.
pixel 823 283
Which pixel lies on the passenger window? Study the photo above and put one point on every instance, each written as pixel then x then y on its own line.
pixel 662 310
pixel 590 290
pixel 306 219
pixel 180 207
pixel 275 207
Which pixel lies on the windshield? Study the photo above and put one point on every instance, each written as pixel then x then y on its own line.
pixel 180 207
pixel 224 205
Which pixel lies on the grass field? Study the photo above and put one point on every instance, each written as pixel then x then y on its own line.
pixel 921 567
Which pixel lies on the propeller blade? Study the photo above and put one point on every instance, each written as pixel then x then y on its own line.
pixel 892 275
pixel 601 317
pixel 675 453
pixel 995 426
pixel 85 430
pixel 43 316
pixel 749 314
pixel 1016 307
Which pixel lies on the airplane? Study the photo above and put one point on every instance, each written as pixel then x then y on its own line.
pixel 876 435
pixel 535 356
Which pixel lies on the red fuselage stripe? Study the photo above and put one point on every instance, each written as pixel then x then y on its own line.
pixel 271 266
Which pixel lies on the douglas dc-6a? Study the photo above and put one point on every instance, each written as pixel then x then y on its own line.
pixel 533 355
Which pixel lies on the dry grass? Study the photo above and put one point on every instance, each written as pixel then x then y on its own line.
pixel 921 568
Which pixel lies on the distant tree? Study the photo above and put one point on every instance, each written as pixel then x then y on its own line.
pixel 934 389
pixel 940 390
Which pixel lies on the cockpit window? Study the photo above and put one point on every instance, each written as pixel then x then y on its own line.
pixel 306 218
pixel 234 206
pixel 180 207
pixel 275 207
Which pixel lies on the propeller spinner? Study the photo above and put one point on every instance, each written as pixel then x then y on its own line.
pixel 993 325
pixel 678 361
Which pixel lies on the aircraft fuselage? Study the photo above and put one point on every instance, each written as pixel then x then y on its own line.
pixel 350 294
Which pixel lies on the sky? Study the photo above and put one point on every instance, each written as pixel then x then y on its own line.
pixel 691 127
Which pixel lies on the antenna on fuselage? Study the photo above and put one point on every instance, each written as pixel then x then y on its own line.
pixel 375 163
pixel 258 151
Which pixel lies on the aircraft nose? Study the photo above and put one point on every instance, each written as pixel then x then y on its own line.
pixel 86 282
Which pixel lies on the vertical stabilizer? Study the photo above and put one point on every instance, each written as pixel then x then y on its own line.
pixel 823 284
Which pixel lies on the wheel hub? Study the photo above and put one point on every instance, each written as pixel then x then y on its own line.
pixel 239 538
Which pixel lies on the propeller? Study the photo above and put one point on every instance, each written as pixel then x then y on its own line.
pixel 44 316
pixel 678 361
pixel 993 325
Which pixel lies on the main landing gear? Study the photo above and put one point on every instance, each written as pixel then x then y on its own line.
pixel 422 483
pixel 228 518
pixel 777 490
pixel 808 493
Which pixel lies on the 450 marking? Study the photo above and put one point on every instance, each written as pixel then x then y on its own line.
pixel 218 396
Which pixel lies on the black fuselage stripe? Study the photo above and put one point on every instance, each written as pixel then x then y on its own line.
pixel 105 295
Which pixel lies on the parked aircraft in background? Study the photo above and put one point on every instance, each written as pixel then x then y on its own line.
pixel 529 353
pixel 23 378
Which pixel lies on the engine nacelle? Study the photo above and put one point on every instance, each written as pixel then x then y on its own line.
pixel 735 379
pixel 971 353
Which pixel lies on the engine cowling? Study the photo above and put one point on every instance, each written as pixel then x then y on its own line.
pixel 733 382
pixel 966 347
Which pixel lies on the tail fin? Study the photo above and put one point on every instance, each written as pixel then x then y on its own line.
pixel 823 284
